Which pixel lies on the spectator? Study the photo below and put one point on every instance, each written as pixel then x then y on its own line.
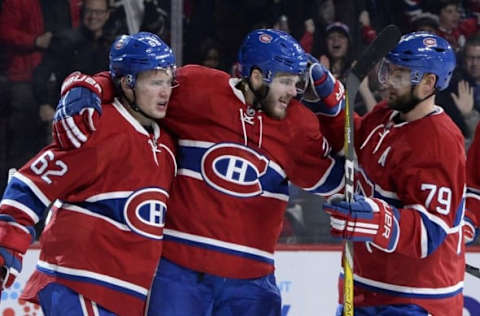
pixel 211 54
pixel 84 49
pixel 426 22
pixel 451 27
pixel 338 55
pixel 282 24
pixel 323 15
pixel 156 19
pixel 461 100
pixel 26 31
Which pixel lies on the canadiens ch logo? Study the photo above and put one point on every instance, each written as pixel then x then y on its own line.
pixel 234 169
pixel 145 210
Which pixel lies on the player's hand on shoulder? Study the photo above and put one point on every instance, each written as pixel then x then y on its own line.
pixel 78 110
pixel 364 219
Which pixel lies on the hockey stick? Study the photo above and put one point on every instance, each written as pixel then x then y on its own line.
pixel 385 42
pixel 472 270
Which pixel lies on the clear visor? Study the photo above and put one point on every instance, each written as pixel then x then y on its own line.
pixel 301 85
pixel 390 75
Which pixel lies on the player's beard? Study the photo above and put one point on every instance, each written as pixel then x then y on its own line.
pixel 269 106
pixel 403 103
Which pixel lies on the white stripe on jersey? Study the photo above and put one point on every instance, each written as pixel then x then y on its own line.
pixel 108 196
pixel 25 209
pixel 93 275
pixel 38 193
pixel 408 289
pixel 218 243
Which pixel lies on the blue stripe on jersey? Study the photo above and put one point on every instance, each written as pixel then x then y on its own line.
pixel 435 234
pixel 111 208
pixel 274 182
pixel 168 237
pixel 19 191
pixel 473 191
pixel 333 180
pixel 85 279
pixel 190 157
pixel 459 213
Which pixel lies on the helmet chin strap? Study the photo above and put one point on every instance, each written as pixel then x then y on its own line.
pixel 134 106
pixel 260 94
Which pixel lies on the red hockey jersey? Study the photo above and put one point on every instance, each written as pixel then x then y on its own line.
pixel 228 201
pixel 104 235
pixel 473 181
pixel 418 167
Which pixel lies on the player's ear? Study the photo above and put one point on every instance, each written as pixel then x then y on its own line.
pixel 428 83
pixel 126 86
pixel 256 78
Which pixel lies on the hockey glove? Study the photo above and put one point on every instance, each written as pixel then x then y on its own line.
pixel 324 94
pixel 80 95
pixel 470 234
pixel 368 220
pixel 14 242
pixel 11 266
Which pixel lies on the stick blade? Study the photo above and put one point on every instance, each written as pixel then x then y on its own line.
pixel 386 40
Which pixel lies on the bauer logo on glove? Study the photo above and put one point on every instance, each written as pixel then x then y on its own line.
pixel 365 219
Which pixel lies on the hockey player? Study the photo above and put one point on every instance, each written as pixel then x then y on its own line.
pixel 241 140
pixel 406 219
pixel 472 211
pixel 103 240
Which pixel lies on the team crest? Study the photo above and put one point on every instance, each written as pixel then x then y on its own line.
pixel 144 212
pixel 265 38
pixel 234 169
pixel 429 42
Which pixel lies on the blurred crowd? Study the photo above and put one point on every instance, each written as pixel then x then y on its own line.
pixel 45 40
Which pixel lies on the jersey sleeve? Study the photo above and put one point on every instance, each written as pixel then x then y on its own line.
pixel 472 212
pixel 431 186
pixel 51 174
pixel 313 167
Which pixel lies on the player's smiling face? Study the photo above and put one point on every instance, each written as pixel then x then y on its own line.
pixel 282 89
pixel 152 90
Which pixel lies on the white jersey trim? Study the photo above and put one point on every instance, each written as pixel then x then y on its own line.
pixel 195 143
pixel 190 173
pixel 409 289
pixel 218 243
pixel 38 193
pixel 22 207
pixel 435 219
pixel 171 156
pixel 109 196
pixel 93 275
